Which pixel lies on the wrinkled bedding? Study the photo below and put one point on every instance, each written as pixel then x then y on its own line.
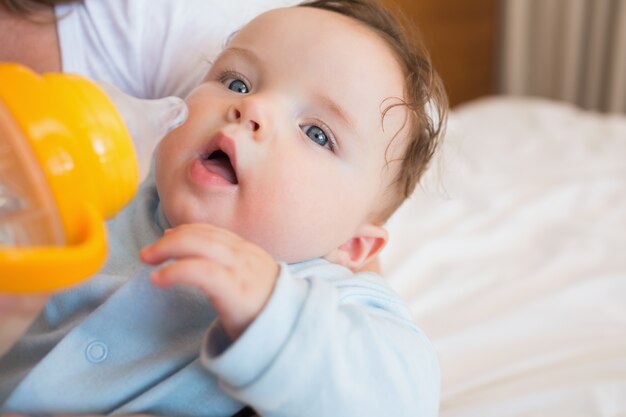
pixel 512 256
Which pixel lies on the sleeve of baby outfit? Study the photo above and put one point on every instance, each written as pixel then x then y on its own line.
pixel 328 347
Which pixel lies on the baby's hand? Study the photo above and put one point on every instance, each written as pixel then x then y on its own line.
pixel 237 276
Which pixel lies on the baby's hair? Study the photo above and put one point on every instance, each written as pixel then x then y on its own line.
pixel 424 97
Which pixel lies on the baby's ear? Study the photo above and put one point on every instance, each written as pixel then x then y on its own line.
pixel 366 243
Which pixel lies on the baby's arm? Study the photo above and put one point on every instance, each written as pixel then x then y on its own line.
pixel 323 343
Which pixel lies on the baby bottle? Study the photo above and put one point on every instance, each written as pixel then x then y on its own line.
pixel 67 163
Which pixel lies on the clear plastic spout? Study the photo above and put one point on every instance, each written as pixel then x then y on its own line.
pixel 147 121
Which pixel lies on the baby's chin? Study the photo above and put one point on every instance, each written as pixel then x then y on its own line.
pixel 282 245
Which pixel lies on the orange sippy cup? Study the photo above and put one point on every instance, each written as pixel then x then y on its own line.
pixel 67 163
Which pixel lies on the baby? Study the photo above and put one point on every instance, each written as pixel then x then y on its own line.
pixel 310 129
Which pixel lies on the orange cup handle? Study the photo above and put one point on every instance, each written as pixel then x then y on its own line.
pixel 52 268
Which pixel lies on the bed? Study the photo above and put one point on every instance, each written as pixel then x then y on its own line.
pixel 511 257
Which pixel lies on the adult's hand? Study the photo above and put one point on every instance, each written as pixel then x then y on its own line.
pixel 16 313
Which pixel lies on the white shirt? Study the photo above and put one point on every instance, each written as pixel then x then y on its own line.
pixel 150 48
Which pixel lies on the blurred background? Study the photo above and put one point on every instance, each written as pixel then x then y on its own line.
pixel 570 50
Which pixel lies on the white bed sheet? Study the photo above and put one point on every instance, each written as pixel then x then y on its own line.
pixel 512 256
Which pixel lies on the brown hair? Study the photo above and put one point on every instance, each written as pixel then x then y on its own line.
pixel 27 7
pixel 424 97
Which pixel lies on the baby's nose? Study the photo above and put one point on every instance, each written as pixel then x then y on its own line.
pixel 252 124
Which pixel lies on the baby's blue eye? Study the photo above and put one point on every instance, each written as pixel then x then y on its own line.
pixel 316 134
pixel 238 86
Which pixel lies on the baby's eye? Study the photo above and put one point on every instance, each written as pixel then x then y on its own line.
pixel 317 135
pixel 238 86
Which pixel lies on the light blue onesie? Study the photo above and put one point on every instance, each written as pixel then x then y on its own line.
pixel 328 343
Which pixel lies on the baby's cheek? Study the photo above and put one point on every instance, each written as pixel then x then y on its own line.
pixel 289 221
pixel 160 153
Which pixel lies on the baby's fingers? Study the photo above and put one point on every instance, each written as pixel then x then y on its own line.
pixel 189 243
pixel 206 276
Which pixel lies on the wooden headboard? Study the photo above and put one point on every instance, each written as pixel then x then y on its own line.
pixel 461 37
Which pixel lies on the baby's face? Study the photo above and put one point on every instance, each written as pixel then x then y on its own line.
pixel 284 143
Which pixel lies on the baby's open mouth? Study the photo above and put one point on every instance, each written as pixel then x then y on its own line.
pixel 219 163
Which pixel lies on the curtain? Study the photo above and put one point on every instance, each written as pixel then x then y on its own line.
pixel 572 50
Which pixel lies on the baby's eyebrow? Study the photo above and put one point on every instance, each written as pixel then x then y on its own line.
pixel 247 54
pixel 228 39
pixel 334 108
